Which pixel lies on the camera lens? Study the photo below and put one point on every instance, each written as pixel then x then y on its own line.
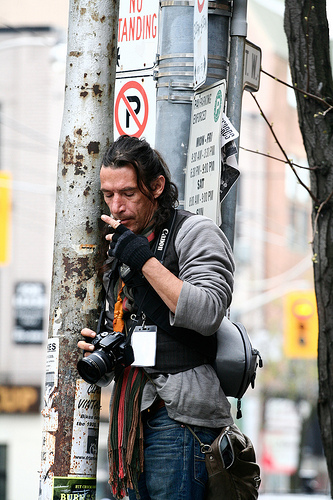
pixel 94 367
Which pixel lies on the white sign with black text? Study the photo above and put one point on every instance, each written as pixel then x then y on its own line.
pixel 203 169
pixel 252 67
pixel 85 429
pixel 228 131
pixel 200 42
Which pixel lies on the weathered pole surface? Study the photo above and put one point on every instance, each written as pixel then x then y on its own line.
pixel 69 442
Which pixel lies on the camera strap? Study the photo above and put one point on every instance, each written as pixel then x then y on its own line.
pixel 159 250
pixel 102 313
pixel 163 239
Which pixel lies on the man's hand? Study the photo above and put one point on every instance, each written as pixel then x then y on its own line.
pixel 129 248
pixel 166 284
pixel 86 346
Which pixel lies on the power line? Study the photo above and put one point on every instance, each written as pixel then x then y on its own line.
pixel 27 131
pixel 283 278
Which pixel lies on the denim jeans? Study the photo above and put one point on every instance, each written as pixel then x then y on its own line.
pixel 174 465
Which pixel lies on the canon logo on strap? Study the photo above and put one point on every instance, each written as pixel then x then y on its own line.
pixel 161 243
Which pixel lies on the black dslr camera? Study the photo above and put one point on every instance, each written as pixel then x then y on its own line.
pixel 111 349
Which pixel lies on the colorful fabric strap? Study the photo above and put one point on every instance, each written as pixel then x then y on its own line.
pixel 118 322
pixel 126 453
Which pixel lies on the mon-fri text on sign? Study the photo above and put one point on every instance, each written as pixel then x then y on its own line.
pixel 203 170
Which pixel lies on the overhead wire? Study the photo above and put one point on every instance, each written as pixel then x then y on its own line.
pixel 27 131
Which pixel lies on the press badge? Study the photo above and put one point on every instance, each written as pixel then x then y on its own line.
pixel 144 345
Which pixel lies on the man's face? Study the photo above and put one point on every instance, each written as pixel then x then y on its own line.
pixel 125 200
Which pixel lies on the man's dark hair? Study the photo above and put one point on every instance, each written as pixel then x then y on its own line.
pixel 148 165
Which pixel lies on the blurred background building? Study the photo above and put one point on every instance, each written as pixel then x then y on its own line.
pixel 32 59
pixel 272 250
pixel 274 277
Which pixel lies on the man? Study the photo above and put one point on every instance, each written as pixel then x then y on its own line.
pixel 184 298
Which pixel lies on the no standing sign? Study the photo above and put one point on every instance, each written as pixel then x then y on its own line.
pixel 135 90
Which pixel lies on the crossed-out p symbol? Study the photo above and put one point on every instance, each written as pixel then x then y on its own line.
pixel 131 109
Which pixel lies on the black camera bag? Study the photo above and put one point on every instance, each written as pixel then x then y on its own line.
pixel 239 481
pixel 236 360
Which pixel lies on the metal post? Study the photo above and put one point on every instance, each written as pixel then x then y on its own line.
pixel 175 76
pixel 71 407
pixel 238 34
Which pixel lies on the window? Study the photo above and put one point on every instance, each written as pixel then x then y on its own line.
pixel 298 227
pixel 3 471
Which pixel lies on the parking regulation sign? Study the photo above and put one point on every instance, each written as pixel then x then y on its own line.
pixel 203 170
pixel 134 114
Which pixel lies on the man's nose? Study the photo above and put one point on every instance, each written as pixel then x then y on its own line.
pixel 117 204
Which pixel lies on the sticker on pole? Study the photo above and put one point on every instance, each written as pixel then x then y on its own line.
pixel 47 461
pixel 49 411
pixel 85 429
pixel 203 170
pixel 74 488
pixel 228 131
pixel 133 114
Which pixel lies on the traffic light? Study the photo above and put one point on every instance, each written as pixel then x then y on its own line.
pixel 301 325
pixel 5 212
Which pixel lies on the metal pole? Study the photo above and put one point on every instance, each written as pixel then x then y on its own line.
pixel 238 34
pixel 175 76
pixel 71 407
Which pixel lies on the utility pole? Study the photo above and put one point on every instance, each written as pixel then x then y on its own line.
pixel 175 76
pixel 227 29
pixel 238 33
pixel 71 406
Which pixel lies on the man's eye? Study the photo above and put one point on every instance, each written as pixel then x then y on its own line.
pixel 107 195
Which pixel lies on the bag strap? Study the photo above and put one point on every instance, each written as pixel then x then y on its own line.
pixel 205 448
pixel 159 250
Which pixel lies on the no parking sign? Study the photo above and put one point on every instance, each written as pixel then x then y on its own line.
pixel 134 112
pixel 135 89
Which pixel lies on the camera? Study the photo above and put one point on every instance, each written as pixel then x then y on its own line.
pixel 111 349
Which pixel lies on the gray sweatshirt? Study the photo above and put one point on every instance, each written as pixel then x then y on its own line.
pixel 206 268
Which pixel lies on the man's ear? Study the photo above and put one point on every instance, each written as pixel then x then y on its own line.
pixel 157 186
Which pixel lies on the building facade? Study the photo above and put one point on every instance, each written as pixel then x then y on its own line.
pixel 31 100
pixel 272 248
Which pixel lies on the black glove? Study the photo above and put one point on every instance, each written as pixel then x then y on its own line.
pixel 130 248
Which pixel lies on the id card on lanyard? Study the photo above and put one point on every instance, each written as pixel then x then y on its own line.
pixel 144 345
